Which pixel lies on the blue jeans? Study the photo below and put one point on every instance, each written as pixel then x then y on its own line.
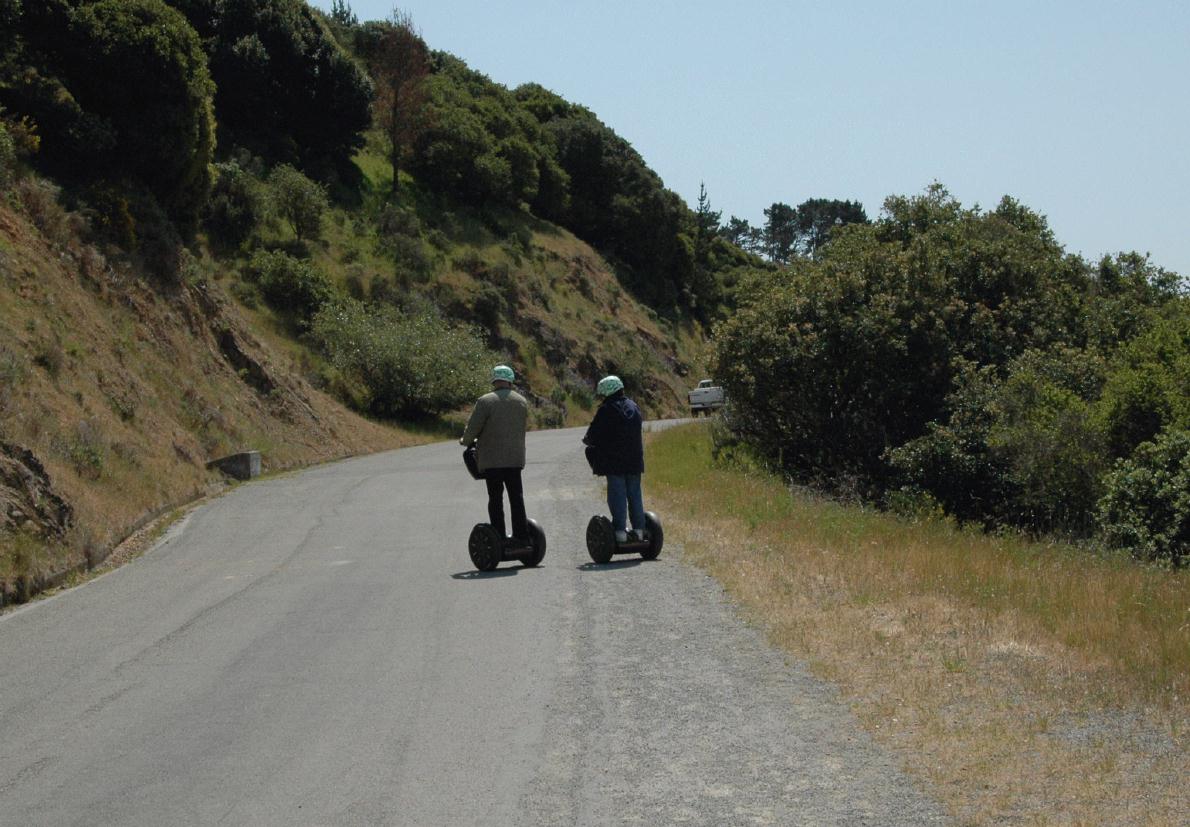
pixel 624 498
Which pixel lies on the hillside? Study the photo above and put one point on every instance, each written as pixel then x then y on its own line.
pixel 254 257
pixel 539 297
pixel 114 395
pixel 115 390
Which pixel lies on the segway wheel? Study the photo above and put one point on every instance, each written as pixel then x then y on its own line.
pixel 601 539
pixel 656 536
pixel 486 547
pixel 537 539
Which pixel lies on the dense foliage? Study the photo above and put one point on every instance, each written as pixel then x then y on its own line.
pixel 962 357
pixel 290 284
pixel 794 231
pixel 1147 504
pixel 237 206
pixel 8 156
pixel 297 199
pixel 620 205
pixel 396 363
pixel 125 90
pixel 488 147
pixel 287 91
pixel 121 93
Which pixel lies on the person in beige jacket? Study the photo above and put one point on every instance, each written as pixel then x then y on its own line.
pixel 497 427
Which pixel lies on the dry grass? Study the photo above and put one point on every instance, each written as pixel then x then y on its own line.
pixel 123 394
pixel 1025 683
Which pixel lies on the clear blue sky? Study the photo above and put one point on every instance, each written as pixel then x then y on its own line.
pixel 1081 110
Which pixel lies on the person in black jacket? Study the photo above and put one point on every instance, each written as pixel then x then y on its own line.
pixel 616 450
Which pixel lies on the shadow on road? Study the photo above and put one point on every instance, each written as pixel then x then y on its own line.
pixel 613 565
pixel 486 575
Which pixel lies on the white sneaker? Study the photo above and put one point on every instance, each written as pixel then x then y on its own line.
pixel 621 536
pixel 638 534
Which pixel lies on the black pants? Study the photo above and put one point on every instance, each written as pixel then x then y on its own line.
pixel 498 479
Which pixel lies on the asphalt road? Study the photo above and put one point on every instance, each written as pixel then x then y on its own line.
pixel 317 649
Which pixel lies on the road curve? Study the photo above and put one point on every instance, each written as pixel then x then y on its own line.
pixel 316 649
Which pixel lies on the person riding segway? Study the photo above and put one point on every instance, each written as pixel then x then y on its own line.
pixel 615 450
pixel 496 431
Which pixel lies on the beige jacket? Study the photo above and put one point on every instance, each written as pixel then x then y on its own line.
pixel 497 426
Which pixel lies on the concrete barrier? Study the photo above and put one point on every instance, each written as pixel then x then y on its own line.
pixel 243 466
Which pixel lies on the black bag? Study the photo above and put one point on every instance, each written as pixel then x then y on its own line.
pixel 594 459
pixel 471 462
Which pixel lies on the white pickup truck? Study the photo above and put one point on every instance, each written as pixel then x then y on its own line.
pixel 706 397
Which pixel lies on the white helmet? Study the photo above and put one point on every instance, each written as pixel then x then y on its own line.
pixel 608 385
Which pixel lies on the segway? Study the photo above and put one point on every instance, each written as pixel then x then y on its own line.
pixel 488 549
pixel 602 544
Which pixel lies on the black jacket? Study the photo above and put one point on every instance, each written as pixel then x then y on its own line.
pixel 614 438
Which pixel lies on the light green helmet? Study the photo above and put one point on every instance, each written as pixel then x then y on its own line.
pixel 608 385
pixel 503 373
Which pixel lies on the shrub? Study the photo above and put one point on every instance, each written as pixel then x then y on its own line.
pixel 298 200
pixel 39 198
pixel 1146 509
pixel 13 373
pixel 413 364
pixel 158 242
pixel 487 307
pixel 1051 448
pixel 87 450
pixel 245 293
pixel 549 415
pixel 290 284
pixel 111 215
pixel 951 460
pixel 1022 448
pixel 397 221
pixel 470 262
pixel 236 207
pixel 8 157
pixel 354 281
pixel 1146 387
pixel 413 263
pixel 49 355
pixel 582 395
pixel 829 369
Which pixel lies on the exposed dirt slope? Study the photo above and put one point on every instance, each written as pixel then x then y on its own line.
pixel 565 321
pixel 114 394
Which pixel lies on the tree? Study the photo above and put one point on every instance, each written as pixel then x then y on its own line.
pixel 706 219
pixel 126 83
pixel 706 229
pixel 10 15
pixel 702 287
pixel 399 64
pixel 817 217
pixel 838 360
pixel 287 91
pixel 739 232
pixel 342 14
pixel 780 232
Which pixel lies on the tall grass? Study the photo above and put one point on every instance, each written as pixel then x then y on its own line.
pixel 1130 618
